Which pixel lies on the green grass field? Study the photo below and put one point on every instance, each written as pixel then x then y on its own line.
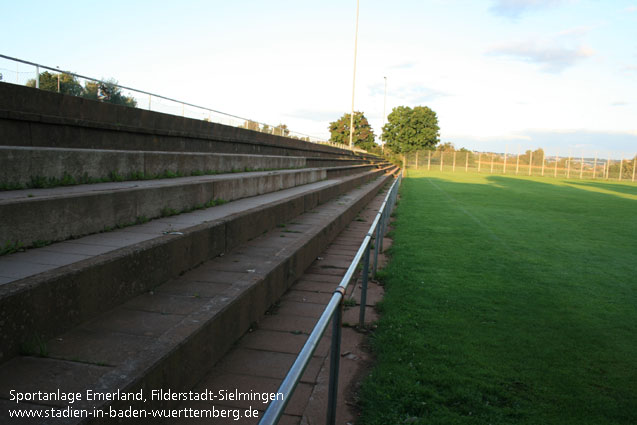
pixel 509 301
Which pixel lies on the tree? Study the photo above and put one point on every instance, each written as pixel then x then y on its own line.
pixel 281 130
pixel 114 93
pixel 251 125
pixel 446 147
pixel 363 134
pixel 408 129
pixel 49 82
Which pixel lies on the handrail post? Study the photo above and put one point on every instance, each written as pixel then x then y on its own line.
pixel 376 243
pixel 335 357
pixel 361 316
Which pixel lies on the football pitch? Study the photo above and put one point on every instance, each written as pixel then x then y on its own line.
pixel 509 300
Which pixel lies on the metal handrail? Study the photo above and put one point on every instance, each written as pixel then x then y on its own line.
pixel 37 65
pixel 333 310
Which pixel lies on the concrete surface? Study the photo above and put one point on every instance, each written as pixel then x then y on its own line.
pixel 44 299
pixel 169 337
pixel 19 164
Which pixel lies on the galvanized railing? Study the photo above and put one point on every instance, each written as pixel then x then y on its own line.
pixel 333 312
pixel 156 102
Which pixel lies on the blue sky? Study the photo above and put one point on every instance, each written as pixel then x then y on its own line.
pixel 501 74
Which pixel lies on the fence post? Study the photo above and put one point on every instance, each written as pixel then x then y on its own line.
pixel 361 315
pixel 442 155
pixel 376 245
pixel 621 163
pixel 568 166
pixel 491 171
pixel 595 166
pixel 506 153
pixel 607 168
pixel 466 163
pixel 335 357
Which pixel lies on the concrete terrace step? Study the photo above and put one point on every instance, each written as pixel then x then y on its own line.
pixel 60 213
pixel 20 164
pixel 34 217
pixel 51 289
pixel 172 336
pixel 260 359
pixel 32 117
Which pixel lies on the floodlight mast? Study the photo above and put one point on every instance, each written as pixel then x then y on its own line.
pixel 351 120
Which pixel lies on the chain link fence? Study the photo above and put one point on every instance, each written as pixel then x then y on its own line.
pixel 25 73
pixel 531 163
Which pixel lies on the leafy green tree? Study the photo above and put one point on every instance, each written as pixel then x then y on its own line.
pixel 408 129
pixel 114 92
pixel 363 134
pixel 49 82
pixel 251 125
pixel 281 130
pixel 446 147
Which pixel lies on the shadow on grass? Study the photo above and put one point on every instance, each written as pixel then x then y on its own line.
pixel 628 188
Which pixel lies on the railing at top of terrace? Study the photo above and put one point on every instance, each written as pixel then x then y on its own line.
pixel 140 99
pixel 333 312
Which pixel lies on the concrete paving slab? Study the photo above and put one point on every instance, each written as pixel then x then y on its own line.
pixel 96 347
pixel 322 278
pixel 304 296
pixel 33 374
pixel 159 302
pixel 114 239
pixel 327 271
pixel 280 341
pixel 317 287
pixel 292 324
pixel 10 268
pixel 133 322
pixel 208 273
pixel 266 364
pixel 181 286
pixel 232 382
pixel 301 309
pixel 70 247
pixel 48 257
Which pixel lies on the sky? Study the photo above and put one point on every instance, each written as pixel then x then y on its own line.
pixel 501 75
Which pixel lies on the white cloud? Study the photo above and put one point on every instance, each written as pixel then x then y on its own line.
pixel 516 8
pixel 551 58
pixel 411 94
pixel 403 65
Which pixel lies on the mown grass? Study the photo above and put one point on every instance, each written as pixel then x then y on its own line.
pixel 509 301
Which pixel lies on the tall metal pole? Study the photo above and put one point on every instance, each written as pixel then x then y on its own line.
pixel 351 121
pixel 384 112
pixel 37 77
